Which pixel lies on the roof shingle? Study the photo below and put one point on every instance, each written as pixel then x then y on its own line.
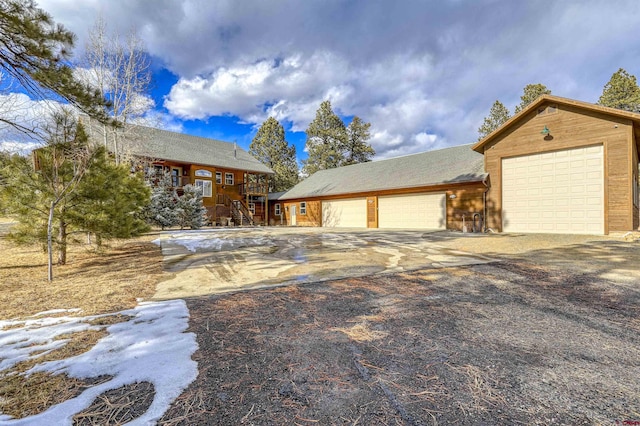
pixel 449 165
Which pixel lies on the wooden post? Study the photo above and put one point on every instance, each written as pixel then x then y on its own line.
pixel 266 200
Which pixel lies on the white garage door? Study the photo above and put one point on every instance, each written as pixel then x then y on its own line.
pixel 351 213
pixel 555 192
pixel 417 211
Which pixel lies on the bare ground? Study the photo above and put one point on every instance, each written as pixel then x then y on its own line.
pixel 525 341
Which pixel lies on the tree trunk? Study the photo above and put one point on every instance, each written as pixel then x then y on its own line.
pixel 50 241
pixel 62 242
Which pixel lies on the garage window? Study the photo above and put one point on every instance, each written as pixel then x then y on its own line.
pixel 277 207
pixel 303 208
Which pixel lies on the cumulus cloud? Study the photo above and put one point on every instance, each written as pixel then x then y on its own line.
pixel 423 73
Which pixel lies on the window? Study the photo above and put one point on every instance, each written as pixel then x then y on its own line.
pixel 278 212
pixel 219 178
pixel 228 178
pixel 541 110
pixel 252 208
pixel 205 187
pixel 303 208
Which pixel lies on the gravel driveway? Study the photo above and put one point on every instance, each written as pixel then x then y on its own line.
pixel 545 333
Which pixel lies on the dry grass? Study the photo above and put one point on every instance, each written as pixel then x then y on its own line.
pixel 25 396
pixel 96 282
pixel 117 406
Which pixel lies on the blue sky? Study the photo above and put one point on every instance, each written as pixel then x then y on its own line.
pixel 424 73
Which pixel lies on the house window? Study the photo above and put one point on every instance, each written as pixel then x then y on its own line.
pixel 219 178
pixel 541 110
pixel 252 208
pixel 228 178
pixel 278 212
pixel 205 187
pixel 303 208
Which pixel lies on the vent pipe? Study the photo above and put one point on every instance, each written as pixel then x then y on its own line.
pixel 235 150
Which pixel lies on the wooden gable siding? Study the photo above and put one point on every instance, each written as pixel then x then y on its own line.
pixel 570 127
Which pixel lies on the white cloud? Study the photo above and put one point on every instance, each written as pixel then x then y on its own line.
pixel 409 68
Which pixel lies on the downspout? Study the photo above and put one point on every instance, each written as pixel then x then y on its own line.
pixel 484 204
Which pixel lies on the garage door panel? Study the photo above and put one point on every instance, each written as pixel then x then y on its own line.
pixel 350 213
pixel 417 211
pixel 564 192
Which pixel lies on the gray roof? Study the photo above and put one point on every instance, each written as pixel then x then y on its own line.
pixel 449 165
pixel 276 195
pixel 165 145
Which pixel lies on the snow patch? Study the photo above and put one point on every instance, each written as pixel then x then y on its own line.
pixel 152 346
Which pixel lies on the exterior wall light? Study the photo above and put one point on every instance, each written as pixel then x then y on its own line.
pixel 545 131
pixel 452 197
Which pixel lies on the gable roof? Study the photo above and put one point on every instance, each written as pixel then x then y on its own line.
pixel 614 112
pixel 449 165
pixel 165 145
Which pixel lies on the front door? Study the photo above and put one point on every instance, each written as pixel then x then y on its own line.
pixel 294 220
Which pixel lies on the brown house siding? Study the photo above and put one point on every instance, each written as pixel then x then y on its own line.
pixel 570 127
pixel 461 209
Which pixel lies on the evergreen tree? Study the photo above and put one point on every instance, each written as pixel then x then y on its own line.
pixel 621 92
pixel 271 149
pixel 531 93
pixel 110 201
pixel 34 52
pixel 74 188
pixel 162 209
pixel 326 141
pixel 357 149
pixel 498 114
pixel 190 211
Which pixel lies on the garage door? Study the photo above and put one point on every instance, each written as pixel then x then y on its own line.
pixel 351 213
pixel 417 211
pixel 555 192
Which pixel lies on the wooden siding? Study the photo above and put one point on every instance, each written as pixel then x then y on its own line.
pixel 313 216
pixel 570 127
pixel 467 202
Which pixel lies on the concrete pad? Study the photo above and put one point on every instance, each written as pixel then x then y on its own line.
pixel 225 260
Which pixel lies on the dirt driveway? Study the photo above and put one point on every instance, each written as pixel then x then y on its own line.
pixel 547 333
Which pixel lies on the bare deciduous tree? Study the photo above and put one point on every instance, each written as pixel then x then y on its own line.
pixel 119 69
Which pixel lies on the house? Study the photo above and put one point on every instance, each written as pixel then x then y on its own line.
pixel 558 166
pixel 234 184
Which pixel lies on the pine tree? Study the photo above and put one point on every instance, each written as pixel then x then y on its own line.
pixel 531 93
pixel 189 209
pixel 357 149
pixel 162 209
pixel 270 147
pixel 498 114
pixel 75 188
pixel 621 92
pixel 34 52
pixel 326 140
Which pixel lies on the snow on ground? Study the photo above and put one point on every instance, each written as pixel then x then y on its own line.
pixel 211 240
pixel 152 346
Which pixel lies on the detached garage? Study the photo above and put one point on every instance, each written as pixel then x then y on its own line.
pixel 563 166
pixel 558 166
pixel 431 190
